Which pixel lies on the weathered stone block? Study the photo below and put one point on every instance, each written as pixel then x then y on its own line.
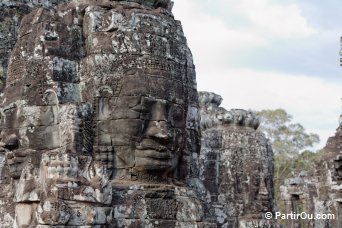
pixel 65 70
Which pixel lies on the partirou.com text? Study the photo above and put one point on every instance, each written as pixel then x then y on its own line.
pixel 296 216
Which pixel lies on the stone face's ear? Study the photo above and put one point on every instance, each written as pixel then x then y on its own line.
pixel 28 189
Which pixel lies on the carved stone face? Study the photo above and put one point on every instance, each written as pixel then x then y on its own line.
pixel 15 158
pixel 10 139
pixel 139 80
pixel 137 88
pixel 160 144
pixel 27 131
pixel 148 128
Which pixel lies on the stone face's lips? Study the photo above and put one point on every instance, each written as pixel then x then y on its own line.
pixel 148 153
pixel 152 153
pixel 16 160
pixel 159 148
pixel 16 156
pixel 152 160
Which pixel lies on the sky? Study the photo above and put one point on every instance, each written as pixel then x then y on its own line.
pixel 268 54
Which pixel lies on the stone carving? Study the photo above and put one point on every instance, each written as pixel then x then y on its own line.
pixel 236 166
pixel 100 120
pixel 212 115
pixel 139 88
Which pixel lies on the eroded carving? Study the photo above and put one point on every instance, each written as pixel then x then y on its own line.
pixel 236 166
pixel 212 115
pixel 101 95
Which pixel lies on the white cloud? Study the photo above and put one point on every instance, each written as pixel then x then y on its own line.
pixel 312 101
pixel 215 40
pixel 277 20
pixel 267 21
pixel 209 37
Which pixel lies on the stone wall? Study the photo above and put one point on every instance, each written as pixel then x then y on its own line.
pixel 236 163
pixel 318 191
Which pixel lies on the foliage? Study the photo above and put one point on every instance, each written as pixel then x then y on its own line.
pixel 290 143
pixel 285 168
pixel 287 138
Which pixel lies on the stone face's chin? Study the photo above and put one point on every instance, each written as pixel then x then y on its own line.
pixel 154 160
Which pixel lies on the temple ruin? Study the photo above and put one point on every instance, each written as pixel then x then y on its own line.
pixel 318 190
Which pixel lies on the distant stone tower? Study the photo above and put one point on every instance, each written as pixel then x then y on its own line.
pixel 236 164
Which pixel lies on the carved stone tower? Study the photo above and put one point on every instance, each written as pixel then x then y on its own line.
pixel 236 163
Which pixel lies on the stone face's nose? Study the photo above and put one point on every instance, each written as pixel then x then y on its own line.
pixel 158 124
pixel 158 129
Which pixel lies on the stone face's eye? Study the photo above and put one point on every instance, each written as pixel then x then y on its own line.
pixel 142 108
pixel 10 109
pixel 145 108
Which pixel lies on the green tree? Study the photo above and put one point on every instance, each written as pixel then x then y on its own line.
pixel 288 139
pixel 290 143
